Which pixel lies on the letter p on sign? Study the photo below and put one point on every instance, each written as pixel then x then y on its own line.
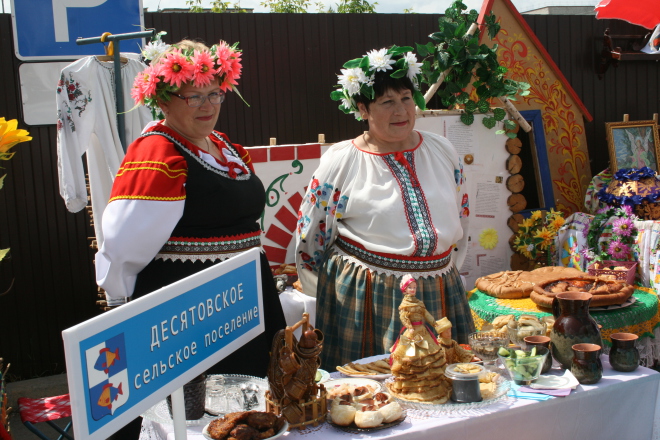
pixel 60 17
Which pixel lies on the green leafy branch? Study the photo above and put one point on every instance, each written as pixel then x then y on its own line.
pixel 216 6
pixel 287 6
pixel 455 59
pixel 356 7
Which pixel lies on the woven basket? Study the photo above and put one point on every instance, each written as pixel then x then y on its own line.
pixel 313 411
pixel 194 393
pixel 624 275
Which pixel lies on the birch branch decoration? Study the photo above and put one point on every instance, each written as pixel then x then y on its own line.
pixel 454 59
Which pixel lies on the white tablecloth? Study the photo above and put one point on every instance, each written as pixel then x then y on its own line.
pixel 621 406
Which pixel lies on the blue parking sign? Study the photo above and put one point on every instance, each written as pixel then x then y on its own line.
pixel 48 29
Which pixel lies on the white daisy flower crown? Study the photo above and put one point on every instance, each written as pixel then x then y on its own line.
pixel 358 76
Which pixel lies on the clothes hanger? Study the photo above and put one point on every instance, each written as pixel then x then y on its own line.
pixel 109 51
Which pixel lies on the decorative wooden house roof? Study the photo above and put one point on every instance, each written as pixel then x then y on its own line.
pixel 566 144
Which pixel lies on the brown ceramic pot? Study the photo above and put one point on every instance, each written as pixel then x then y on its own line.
pixel 586 366
pixel 540 341
pixel 624 355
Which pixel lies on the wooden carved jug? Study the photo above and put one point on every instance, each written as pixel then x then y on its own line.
pixel 573 325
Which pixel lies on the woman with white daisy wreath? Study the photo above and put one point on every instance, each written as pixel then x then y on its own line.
pixel 382 205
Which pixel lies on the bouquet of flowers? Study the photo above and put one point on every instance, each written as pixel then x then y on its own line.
pixel 536 235
pixel 611 235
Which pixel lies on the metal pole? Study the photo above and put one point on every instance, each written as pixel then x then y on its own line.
pixel 119 98
pixel 119 92
pixel 179 414
pixel 116 37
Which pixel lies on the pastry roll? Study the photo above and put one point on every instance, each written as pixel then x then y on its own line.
pixel 391 412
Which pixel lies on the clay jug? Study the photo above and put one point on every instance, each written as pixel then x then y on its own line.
pixel 573 325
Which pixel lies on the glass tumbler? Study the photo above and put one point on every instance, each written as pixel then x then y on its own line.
pixel 215 394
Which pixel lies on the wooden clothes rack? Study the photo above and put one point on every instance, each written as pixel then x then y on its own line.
pixel 113 42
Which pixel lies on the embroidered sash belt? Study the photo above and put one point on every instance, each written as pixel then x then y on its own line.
pixel 212 248
pixel 394 262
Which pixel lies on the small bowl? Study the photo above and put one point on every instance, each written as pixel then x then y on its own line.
pixel 485 344
pixel 517 332
pixel 524 365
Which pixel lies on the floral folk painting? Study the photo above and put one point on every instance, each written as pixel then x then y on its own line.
pixel 522 54
pixel 633 144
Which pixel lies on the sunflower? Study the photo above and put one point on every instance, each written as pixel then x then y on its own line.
pixel 524 246
pixel 544 238
pixel 488 238
pixel 10 136
pixel 556 223
pixel 527 223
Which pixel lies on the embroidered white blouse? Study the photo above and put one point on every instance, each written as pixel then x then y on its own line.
pixel 87 123
pixel 411 203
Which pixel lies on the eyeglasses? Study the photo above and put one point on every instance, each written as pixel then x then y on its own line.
pixel 198 101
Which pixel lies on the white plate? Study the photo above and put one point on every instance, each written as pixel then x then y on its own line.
pixel 353 429
pixel 425 410
pixel 354 381
pixel 366 361
pixel 279 433
pixel 325 376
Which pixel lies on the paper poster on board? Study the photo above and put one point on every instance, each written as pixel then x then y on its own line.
pixel 488 234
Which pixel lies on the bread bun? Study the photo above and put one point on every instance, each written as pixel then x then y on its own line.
pixel 368 419
pixel 342 415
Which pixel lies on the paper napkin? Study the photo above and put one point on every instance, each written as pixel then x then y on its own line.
pixel 518 393
pixel 552 382
pixel 555 393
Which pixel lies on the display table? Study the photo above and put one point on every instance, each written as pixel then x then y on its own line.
pixel 641 318
pixel 621 406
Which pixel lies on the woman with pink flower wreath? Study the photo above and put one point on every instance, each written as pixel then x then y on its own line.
pixel 186 198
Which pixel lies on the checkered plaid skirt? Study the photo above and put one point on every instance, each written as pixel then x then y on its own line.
pixel 357 309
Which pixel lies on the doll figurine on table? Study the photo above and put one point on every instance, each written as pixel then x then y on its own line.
pixel 418 359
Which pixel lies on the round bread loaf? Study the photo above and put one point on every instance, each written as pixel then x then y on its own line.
pixel 605 292
pixel 519 284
